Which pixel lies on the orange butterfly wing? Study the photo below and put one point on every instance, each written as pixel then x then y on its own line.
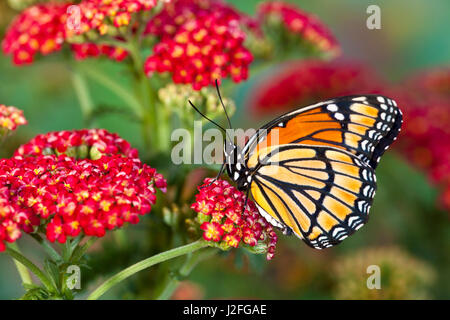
pixel 362 125
pixel 312 169
pixel 323 194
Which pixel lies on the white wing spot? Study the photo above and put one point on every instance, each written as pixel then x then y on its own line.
pixel 364 173
pixel 269 218
pixel 366 190
pixel 337 230
pixel 345 236
pixel 351 220
pixel 332 107
pixel 359 226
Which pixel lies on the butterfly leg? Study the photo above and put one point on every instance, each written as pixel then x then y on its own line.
pixel 217 177
pixel 287 231
pixel 246 198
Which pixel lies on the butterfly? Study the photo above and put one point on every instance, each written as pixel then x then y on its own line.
pixel 311 172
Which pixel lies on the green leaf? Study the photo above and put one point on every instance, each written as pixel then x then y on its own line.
pixel 37 293
pixel 67 251
pixel 30 286
pixel 52 270
pixel 74 243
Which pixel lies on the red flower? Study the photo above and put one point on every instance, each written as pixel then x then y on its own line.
pixel 177 13
pixel 38 29
pixel 10 118
pixel 227 223
pixel 92 50
pixel 213 231
pixel 70 196
pixel 104 16
pixel 42 29
pixel 300 23
pixel 425 140
pixel 101 15
pixel 432 82
pixel 201 41
pixel 86 143
pixel 55 231
pixel 297 84
pixel 233 239
pixel 10 221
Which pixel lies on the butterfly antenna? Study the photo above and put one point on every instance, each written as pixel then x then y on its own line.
pixel 223 105
pixel 226 133
pixel 199 112
pixel 219 126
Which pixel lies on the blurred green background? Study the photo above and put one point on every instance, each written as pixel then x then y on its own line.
pixel 412 235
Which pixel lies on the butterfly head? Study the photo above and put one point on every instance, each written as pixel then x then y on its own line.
pixel 236 168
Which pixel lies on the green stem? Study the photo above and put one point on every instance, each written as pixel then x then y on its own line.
pixel 23 271
pixel 144 264
pixel 113 43
pixel 81 250
pixel 153 126
pixel 47 246
pixel 190 263
pixel 32 267
pixel 84 97
pixel 115 87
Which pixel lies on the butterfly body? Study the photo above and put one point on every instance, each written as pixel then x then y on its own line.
pixel 312 170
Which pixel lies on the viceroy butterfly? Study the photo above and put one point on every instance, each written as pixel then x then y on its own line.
pixel 311 171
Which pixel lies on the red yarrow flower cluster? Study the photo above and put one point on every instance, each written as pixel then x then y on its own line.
pixel 425 139
pixel 298 22
pixel 44 29
pixel 101 15
pixel 300 83
pixel 39 29
pixel 69 196
pixel 91 50
pixel 12 222
pixel 10 118
pixel 178 12
pixel 86 143
pixel 223 220
pixel 199 44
